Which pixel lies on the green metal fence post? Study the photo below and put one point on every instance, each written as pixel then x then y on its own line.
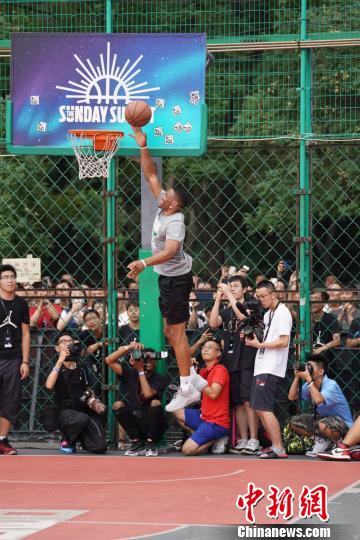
pixel 304 196
pixel 110 260
pixel 111 289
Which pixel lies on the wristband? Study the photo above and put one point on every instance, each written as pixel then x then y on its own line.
pixel 27 363
pixel 143 147
pixel 141 373
pixel 144 263
pixel 56 369
pixel 310 383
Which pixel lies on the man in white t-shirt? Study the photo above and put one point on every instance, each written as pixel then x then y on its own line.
pixel 270 364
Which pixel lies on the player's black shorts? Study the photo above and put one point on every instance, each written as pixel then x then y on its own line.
pixel 174 297
pixel 10 388
pixel 240 386
pixel 263 391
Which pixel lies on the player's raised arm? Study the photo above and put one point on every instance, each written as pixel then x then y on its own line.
pixel 147 164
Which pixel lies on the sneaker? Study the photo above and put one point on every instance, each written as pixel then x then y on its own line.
pixel 137 449
pixel 320 445
pixel 219 446
pixel 240 446
pixel 339 453
pixel 66 447
pixel 6 448
pixel 182 399
pixel 252 447
pixel 151 449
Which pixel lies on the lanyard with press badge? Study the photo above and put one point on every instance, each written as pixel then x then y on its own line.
pixel 271 316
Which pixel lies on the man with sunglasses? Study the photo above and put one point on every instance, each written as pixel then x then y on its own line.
pixel 14 352
pixel 211 422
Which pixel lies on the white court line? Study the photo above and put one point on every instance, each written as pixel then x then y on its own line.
pixel 119 482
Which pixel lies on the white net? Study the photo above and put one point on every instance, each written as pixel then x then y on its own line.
pixel 93 163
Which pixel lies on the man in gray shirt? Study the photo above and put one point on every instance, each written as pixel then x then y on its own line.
pixel 174 268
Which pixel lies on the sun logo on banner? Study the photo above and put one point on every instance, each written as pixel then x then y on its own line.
pixel 106 82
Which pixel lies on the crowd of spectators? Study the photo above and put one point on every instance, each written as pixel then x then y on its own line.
pixel 67 306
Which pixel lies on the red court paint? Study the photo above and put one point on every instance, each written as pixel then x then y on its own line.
pixel 126 497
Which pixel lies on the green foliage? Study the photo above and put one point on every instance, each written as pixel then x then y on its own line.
pixel 47 213
pixel 243 202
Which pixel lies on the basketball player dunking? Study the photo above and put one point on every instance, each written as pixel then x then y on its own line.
pixel 174 269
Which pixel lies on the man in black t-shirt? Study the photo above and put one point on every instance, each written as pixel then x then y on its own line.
pixel 131 331
pixel 139 412
pixel 326 328
pixel 70 379
pixel 238 359
pixel 95 346
pixel 14 352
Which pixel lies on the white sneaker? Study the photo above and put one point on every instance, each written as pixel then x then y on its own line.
pixel 182 399
pixel 241 444
pixel 151 449
pixel 219 446
pixel 320 445
pixel 252 447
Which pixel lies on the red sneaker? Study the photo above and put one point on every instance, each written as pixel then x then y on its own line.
pixel 6 448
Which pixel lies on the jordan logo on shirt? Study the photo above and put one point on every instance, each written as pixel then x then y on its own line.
pixel 7 320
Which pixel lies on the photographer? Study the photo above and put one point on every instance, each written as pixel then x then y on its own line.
pixel 270 364
pixel 332 417
pixel 238 359
pixel 80 416
pixel 140 412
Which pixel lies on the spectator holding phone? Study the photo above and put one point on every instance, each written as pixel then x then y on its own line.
pixel 43 313
pixel 73 316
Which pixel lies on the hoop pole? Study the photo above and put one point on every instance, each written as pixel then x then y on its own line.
pixel 111 290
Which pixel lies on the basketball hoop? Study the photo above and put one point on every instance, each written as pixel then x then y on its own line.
pixel 94 150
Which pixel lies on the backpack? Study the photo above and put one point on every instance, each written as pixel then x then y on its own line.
pixel 294 443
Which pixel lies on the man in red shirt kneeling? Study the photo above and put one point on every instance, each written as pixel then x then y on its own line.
pixel 212 421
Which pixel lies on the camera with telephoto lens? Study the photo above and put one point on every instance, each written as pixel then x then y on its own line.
pixel 140 354
pixel 92 401
pixel 74 351
pixel 253 324
pixel 303 367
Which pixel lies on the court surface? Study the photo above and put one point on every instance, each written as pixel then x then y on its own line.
pixel 44 495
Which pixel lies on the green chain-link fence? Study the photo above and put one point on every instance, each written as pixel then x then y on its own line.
pixel 246 194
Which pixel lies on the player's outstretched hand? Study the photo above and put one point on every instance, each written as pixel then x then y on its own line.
pixel 135 268
pixel 139 136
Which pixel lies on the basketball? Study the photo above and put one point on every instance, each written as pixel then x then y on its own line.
pixel 138 113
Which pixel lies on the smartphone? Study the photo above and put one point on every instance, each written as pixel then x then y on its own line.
pixel 232 270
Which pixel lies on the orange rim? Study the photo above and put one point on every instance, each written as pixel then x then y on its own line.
pixel 102 139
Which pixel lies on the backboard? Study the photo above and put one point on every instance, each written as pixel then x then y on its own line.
pixel 84 81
